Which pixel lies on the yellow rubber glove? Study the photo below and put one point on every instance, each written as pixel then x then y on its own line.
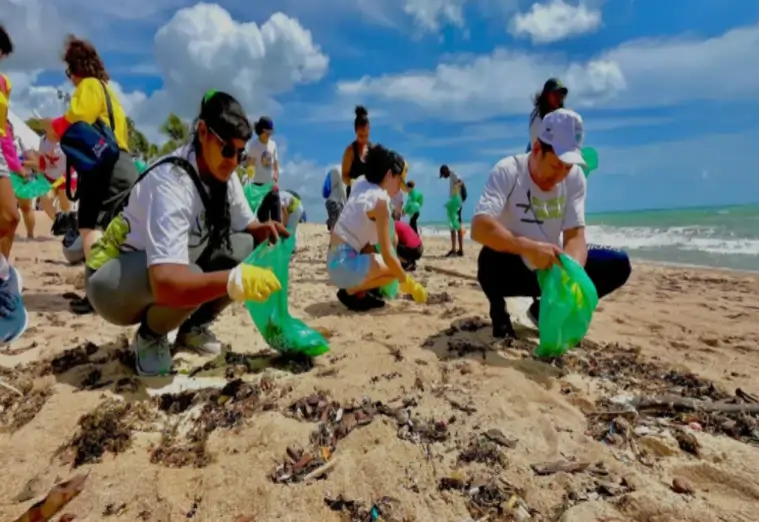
pixel 414 289
pixel 251 283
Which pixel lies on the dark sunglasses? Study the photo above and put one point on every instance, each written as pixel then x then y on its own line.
pixel 228 150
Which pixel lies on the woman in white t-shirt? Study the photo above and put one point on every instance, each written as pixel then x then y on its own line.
pixel 548 100
pixel 262 156
pixel 353 264
pixel 173 257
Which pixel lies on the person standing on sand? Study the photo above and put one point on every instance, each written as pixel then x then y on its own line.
pixel 353 264
pixel 354 157
pixel 13 316
pixel 548 100
pixel 173 258
pixel 530 202
pixel 264 158
pixel 413 206
pixel 456 186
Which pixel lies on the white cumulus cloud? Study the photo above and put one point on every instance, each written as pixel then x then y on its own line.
pixel 555 21
pixel 431 15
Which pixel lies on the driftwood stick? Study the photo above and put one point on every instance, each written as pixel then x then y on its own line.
pixel 321 470
pixel 674 402
pixel 449 272
pixel 549 468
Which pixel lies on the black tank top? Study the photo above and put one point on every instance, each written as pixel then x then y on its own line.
pixel 358 167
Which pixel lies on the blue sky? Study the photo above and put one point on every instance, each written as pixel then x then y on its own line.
pixel 667 89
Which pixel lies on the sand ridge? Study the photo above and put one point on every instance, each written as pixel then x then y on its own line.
pixel 416 410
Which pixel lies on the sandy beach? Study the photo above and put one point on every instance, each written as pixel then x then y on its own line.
pixel 416 410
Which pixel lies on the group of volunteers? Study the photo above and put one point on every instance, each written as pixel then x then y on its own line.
pixel 164 249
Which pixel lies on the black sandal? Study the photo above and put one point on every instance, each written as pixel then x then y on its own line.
pixel 81 306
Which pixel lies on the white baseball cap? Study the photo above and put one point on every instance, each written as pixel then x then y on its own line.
pixel 562 129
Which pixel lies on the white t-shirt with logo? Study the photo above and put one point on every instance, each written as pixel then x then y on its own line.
pixel 529 211
pixel 55 160
pixel 166 215
pixel 264 155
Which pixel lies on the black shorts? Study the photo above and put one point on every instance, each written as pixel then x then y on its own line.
pixel 410 254
pixel 102 195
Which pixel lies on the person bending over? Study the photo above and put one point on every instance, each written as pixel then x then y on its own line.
pixel 13 316
pixel 354 157
pixel 263 157
pixel 409 246
pixel 352 262
pixel 172 258
pixel 531 210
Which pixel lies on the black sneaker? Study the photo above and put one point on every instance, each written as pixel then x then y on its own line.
pixel 359 304
pixel 81 306
pixel 533 312
pixel 460 253
pixel 60 224
pixel 504 330
pixel 452 253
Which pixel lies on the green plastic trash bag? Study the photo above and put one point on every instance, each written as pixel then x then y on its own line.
pixel 280 330
pixel 33 187
pixel 452 209
pixel 414 202
pixel 255 194
pixel 567 301
pixel 590 155
pixel 390 290
pixel 140 165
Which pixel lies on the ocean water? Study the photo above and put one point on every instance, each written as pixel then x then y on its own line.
pixel 724 237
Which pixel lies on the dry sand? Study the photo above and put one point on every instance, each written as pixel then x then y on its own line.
pixel 439 360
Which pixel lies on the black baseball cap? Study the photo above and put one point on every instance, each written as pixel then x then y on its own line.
pixel 225 116
pixel 555 85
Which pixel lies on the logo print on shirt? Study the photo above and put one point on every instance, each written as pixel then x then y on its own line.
pixel 267 159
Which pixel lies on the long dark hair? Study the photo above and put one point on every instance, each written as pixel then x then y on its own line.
pixel 541 107
pixel 224 114
pixel 6 44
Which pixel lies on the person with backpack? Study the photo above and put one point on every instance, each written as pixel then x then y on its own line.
pixel 94 137
pixel 13 316
pixel 354 157
pixel 455 186
pixel 335 194
pixel 174 257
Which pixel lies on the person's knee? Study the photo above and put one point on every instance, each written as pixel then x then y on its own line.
pixel 25 205
pixel 9 220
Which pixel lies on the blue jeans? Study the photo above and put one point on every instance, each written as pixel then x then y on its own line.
pixel 504 275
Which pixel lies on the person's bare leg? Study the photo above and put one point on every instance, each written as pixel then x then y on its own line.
pixel 27 212
pixel 453 240
pixel 89 238
pixel 46 202
pixel 9 217
pixel 460 234
pixel 64 205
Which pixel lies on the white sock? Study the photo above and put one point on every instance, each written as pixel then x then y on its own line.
pixel 5 268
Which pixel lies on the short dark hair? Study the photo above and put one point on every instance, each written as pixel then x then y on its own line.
pixel 410 184
pixel 264 123
pixel 224 114
pixel 83 60
pixel 6 44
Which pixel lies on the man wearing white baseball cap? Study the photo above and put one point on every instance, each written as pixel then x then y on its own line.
pixel 531 210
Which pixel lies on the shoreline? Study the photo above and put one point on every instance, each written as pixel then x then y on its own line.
pixel 635 259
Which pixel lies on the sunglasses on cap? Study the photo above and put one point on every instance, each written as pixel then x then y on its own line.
pixel 228 150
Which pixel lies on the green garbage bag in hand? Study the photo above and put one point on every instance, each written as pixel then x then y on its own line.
pixel 255 194
pixel 567 301
pixel 30 188
pixel 280 330
pixel 414 202
pixel 452 207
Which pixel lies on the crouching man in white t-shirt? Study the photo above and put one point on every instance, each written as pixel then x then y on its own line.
pixel 532 209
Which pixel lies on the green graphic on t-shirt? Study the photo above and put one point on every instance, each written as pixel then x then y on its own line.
pixel 550 208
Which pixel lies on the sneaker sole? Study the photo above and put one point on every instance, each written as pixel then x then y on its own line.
pixel 21 331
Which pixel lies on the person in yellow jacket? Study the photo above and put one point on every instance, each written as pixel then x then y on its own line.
pixel 174 257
